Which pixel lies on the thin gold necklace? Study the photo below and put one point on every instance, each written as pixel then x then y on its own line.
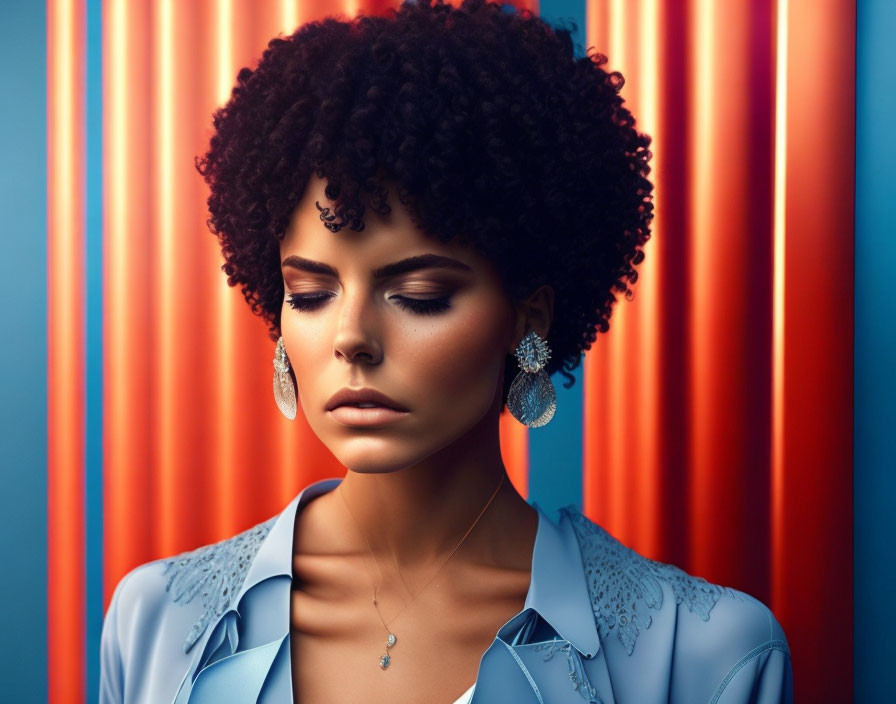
pixel 392 639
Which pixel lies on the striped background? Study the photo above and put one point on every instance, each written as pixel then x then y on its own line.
pixel 712 427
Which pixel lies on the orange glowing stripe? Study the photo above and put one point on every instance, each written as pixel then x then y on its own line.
pixel 702 137
pixel 650 464
pixel 164 460
pixel 514 440
pixel 609 378
pixel 224 10
pixel 223 479
pixel 115 106
pixel 65 353
pixel 289 16
pixel 616 36
pixel 778 308
pixel 614 375
pixel 129 520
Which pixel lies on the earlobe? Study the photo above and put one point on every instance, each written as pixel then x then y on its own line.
pixel 519 329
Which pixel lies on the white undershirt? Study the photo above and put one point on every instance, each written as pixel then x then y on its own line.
pixel 466 696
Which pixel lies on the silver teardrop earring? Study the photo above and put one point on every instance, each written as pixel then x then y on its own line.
pixel 284 389
pixel 532 400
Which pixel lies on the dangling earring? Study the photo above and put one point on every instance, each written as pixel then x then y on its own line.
pixel 531 399
pixel 284 389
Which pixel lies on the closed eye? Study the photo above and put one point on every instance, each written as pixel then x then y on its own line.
pixel 423 306
pixel 306 302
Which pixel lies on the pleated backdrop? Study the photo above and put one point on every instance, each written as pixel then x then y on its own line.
pixel 711 427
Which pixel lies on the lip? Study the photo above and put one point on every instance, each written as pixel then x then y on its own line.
pixel 365 417
pixel 346 396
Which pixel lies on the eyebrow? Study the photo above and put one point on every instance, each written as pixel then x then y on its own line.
pixel 422 261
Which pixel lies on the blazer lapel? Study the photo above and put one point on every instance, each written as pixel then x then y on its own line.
pixel 238 678
pixel 561 661
pixel 273 559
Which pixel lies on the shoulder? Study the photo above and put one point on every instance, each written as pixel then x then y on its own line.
pixel 133 618
pixel 710 633
pixel 160 610
pixel 193 587
pixel 213 574
pixel 137 597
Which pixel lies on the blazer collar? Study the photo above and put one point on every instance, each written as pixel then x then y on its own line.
pixel 558 591
pixel 274 557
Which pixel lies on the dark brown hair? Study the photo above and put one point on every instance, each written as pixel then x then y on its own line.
pixel 494 134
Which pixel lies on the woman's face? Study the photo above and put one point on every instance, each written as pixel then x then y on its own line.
pixel 433 338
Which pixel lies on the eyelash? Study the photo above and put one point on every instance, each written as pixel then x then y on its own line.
pixel 421 306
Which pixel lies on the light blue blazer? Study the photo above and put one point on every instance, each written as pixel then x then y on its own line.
pixel 600 624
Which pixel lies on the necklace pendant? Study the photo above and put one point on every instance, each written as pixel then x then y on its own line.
pixel 390 641
pixel 384 661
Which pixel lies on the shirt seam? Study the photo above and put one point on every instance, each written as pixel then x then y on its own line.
pixel 754 653
pixel 525 671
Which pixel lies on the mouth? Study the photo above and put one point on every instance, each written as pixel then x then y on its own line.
pixel 363 399
pixel 365 416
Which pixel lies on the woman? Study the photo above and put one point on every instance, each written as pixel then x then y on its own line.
pixel 432 211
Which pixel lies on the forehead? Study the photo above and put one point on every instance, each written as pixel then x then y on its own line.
pixel 384 238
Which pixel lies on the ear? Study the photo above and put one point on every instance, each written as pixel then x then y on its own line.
pixel 535 313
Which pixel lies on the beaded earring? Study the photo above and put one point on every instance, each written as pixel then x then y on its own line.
pixel 532 400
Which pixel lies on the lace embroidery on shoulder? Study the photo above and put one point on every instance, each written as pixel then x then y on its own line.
pixel 622 583
pixel 215 572
pixel 577 674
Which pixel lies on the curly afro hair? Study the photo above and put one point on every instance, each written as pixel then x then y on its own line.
pixel 493 133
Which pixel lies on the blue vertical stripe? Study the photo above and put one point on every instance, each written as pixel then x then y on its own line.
pixel 23 354
pixel 93 315
pixel 556 449
pixel 875 349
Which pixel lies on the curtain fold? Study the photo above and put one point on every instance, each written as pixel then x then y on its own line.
pixel 718 408
pixel 65 344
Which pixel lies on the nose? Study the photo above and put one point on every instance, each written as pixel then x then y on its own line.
pixel 356 337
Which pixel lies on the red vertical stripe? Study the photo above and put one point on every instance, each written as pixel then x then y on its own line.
pixel 130 507
pixel 735 463
pixel 813 582
pixel 624 462
pixel 729 294
pixel 65 353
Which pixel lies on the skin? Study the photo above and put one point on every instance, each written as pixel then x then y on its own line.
pixel 412 487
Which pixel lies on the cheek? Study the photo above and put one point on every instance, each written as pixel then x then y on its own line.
pixel 433 363
pixel 306 345
pixel 461 362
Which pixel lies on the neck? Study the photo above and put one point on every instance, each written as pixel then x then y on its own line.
pixel 417 515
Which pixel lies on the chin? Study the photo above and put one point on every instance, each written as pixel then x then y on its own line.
pixel 364 463
pixel 392 449
pixel 374 455
pixel 365 469
pixel 369 454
